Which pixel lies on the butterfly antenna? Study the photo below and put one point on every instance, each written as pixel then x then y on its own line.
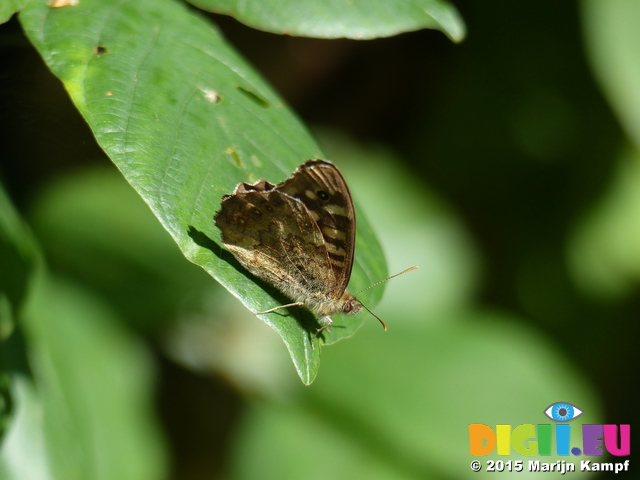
pixel 384 325
pixel 382 281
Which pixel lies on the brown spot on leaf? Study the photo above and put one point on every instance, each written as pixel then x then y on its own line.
pixel 63 3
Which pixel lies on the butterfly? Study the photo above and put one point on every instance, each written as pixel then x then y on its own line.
pixel 299 236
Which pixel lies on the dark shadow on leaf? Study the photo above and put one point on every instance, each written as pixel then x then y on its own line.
pixel 201 239
pixel 303 316
pixel 257 99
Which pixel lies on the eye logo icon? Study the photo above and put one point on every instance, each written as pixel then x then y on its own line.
pixel 562 412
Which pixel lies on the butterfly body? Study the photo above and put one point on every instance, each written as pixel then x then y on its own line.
pixel 298 235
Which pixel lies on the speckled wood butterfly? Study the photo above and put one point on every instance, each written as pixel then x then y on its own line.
pixel 299 236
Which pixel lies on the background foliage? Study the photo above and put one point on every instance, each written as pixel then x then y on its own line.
pixel 506 166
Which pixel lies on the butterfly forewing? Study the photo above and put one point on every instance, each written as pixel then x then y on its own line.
pixel 324 192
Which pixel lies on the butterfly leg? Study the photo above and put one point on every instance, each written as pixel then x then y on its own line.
pixel 324 322
pixel 278 308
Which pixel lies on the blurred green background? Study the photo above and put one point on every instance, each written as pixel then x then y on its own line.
pixel 507 167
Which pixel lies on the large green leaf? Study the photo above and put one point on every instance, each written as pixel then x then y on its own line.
pixel 71 378
pixel 185 119
pixel 9 7
pixel 89 416
pixel 357 19
pixel 19 264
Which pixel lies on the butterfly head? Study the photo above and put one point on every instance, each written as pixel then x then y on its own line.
pixel 351 305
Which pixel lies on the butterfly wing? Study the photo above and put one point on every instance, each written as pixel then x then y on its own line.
pixel 274 237
pixel 320 187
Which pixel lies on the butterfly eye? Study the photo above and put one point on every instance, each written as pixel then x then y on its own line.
pixel 322 195
pixel 562 412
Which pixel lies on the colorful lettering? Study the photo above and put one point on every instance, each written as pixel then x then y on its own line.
pixel 482 439
pixel 611 437
pixel 530 440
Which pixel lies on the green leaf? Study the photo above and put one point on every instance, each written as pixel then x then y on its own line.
pixel 612 38
pixel 185 119
pixel 358 19
pixel 94 387
pixel 76 387
pixel 19 259
pixel 9 7
pixel 604 253
pixel 19 264
pixel 16 461
pixel 315 448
